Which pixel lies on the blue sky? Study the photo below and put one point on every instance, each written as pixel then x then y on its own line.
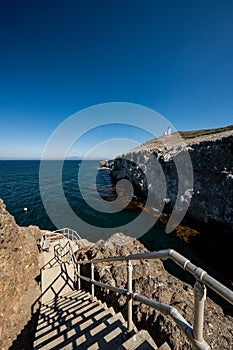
pixel 58 57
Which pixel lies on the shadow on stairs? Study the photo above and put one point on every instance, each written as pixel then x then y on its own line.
pixel 26 337
pixel 74 321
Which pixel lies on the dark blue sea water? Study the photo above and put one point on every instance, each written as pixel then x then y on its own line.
pixel 19 188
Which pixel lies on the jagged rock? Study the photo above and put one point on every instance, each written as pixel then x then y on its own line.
pixel 152 280
pixel 211 158
pixel 19 267
pixel 106 164
pixel 210 211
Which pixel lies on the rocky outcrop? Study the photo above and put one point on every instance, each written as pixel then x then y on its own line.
pixel 191 179
pixel 106 164
pixel 153 165
pixel 152 280
pixel 19 268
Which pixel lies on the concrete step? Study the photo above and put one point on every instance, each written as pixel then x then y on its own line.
pixel 68 308
pixel 139 341
pixel 74 321
pixel 109 334
pixel 63 303
pixel 59 319
pixel 75 318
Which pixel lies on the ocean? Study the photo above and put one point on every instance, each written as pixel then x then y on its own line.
pixel 20 189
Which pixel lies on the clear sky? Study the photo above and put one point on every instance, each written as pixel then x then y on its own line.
pixel 60 56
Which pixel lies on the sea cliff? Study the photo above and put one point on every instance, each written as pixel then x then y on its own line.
pixel 206 202
pixel 211 156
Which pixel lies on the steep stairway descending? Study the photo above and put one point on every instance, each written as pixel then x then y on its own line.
pixel 70 319
pixel 74 321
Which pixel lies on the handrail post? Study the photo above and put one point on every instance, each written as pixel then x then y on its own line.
pixel 92 279
pixel 78 277
pixel 70 254
pixel 130 300
pixel 199 301
pixel 65 253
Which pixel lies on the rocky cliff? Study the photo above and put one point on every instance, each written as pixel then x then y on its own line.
pixel 190 176
pixel 211 189
pixel 152 280
pixel 19 268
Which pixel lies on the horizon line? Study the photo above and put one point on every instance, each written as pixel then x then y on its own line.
pixel 55 159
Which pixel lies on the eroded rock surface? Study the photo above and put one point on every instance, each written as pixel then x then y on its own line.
pixel 163 168
pixel 19 267
pixel 154 165
pixel 152 280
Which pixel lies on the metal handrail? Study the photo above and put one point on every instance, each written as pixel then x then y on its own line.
pixel 180 260
pixel 195 333
pixel 70 234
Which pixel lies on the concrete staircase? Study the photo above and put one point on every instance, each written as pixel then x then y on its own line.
pixel 74 321
pixel 70 319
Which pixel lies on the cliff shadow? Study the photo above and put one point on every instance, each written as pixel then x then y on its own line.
pixel 60 283
pixel 205 245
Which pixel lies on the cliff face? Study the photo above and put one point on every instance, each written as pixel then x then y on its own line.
pixel 19 266
pixel 154 166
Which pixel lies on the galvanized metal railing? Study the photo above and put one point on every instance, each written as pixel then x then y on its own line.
pixel 70 234
pixel 203 279
pixel 67 233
